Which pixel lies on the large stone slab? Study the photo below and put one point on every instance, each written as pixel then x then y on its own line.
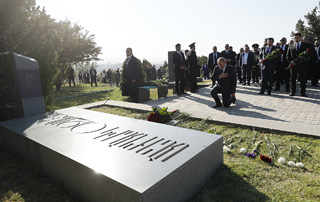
pixel 103 157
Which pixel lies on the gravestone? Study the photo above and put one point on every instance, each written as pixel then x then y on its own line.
pixel 171 66
pixel 28 96
pixel 104 157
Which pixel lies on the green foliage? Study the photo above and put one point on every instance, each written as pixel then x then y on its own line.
pixel 30 31
pixel 145 62
pixel 312 27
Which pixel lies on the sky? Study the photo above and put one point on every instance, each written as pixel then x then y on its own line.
pixel 152 28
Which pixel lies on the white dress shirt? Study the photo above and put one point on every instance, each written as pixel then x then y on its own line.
pixel 245 58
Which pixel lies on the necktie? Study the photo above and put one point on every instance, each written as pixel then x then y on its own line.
pixel 214 58
pixel 298 47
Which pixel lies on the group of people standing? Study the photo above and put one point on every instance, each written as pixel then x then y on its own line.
pixel 151 73
pixel 88 77
pixel 226 67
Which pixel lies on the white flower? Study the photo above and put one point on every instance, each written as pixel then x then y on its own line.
pixel 225 149
pixel 281 160
pixel 291 164
pixel 300 165
pixel 243 151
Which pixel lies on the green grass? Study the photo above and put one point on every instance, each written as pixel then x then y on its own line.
pixel 67 91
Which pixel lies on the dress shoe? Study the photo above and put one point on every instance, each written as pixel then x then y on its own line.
pixel 217 106
pixel 292 94
pixel 244 84
pixel 276 89
pixel 269 92
pixel 184 93
pixel 233 99
pixel 248 84
pixel 261 93
pixel 193 91
pixel 178 93
pixel 304 95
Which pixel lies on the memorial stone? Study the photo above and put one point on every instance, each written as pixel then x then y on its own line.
pixel 171 66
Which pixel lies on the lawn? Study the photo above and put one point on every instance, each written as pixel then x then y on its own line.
pixel 239 179
pixel 63 98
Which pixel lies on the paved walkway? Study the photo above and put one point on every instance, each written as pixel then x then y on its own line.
pixel 277 112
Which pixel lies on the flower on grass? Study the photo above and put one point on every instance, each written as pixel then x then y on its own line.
pixel 251 155
pixel 300 165
pixel 291 164
pixel 265 158
pixel 243 150
pixel 225 149
pixel 281 160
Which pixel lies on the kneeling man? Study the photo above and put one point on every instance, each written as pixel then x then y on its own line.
pixel 224 77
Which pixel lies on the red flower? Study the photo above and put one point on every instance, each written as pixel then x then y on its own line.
pixel 154 118
pixel 265 158
pixel 309 51
pixel 174 111
pixel 282 52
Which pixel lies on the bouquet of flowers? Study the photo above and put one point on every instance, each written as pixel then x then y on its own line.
pixel 160 115
pixel 303 57
pixel 272 55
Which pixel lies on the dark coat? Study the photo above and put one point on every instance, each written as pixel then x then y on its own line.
pixel 230 55
pixel 178 60
pixel 250 61
pixel 293 53
pixel 95 73
pixel 210 61
pixel 227 85
pixel 131 69
pixel 193 61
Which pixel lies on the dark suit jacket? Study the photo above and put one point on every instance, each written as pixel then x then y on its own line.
pixel 271 63
pixel 227 85
pixel 250 61
pixel 193 61
pixel 178 60
pixel 285 61
pixel 293 53
pixel 95 73
pixel 210 61
pixel 131 70
pixel 231 55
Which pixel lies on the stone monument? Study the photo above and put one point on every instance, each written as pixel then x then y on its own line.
pixel 171 66
pixel 28 98
pixel 104 157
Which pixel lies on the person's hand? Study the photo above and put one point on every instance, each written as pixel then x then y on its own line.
pixel 133 80
pixel 182 67
pixel 233 94
pixel 228 60
pixel 253 67
pixel 223 75
pixel 293 63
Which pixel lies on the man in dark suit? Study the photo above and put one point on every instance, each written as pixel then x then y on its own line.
pixel 255 68
pixel 268 69
pixel 93 75
pixel 281 72
pixel 131 75
pixel 311 74
pixel 179 63
pixel 247 65
pixel 293 52
pixel 229 55
pixel 193 66
pixel 317 65
pixel 239 65
pixel 226 80
pixel 213 58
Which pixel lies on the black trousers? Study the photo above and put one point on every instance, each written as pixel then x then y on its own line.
pixel 93 80
pixel 282 74
pixel 246 74
pixel 134 92
pixel 226 96
pixel 239 73
pixel 267 78
pixel 193 78
pixel 180 81
pixel 314 73
pixel 302 71
pixel 255 74
pixel 71 78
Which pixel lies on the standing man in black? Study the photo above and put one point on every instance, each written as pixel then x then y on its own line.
pixel 226 81
pixel 269 68
pixel 193 66
pixel 312 63
pixel 293 52
pixel 281 72
pixel 247 65
pixel 71 75
pixel 213 59
pixel 239 65
pixel 131 75
pixel 255 68
pixel 317 65
pixel 229 55
pixel 93 75
pixel 180 65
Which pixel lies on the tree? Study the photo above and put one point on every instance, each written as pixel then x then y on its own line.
pixel 312 27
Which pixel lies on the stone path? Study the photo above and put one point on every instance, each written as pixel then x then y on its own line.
pixel 277 112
